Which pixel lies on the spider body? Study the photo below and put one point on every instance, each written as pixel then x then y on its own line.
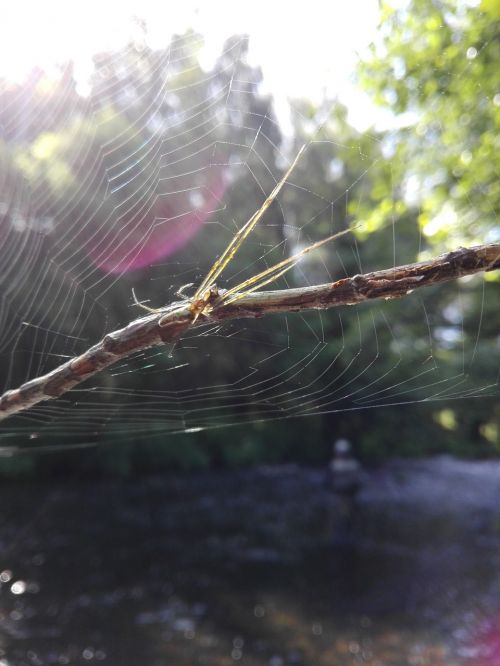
pixel 202 304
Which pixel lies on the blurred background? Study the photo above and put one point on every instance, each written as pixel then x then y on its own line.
pixel 186 506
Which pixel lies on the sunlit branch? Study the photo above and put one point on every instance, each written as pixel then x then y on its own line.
pixel 147 332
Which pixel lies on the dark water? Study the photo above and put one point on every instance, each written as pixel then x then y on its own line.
pixel 257 567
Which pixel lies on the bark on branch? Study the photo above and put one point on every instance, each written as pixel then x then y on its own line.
pixel 146 331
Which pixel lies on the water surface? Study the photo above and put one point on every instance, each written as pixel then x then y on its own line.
pixel 255 566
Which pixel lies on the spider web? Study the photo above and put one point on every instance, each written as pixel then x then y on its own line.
pixel 140 182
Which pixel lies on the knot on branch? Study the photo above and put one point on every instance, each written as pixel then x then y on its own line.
pixel 369 287
pixel 362 285
pixel 465 260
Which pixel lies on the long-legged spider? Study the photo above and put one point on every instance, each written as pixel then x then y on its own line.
pixel 207 294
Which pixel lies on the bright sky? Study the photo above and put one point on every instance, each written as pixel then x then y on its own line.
pixel 305 49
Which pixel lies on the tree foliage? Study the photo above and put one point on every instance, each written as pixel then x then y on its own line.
pixel 434 67
pixel 436 64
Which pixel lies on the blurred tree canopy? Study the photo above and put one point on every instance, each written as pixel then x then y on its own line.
pixel 434 66
pixel 436 63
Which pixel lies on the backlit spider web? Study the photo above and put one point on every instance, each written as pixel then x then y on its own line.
pixel 139 182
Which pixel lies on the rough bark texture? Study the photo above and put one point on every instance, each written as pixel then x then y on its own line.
pixel 176 319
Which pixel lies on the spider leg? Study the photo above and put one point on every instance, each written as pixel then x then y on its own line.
pixel 273 272
pixel 180 291
pixel 144 307
pixel 240 235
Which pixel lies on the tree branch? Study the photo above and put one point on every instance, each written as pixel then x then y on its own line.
pixel 175 319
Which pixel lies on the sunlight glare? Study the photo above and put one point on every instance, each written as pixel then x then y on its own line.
pixel 304 50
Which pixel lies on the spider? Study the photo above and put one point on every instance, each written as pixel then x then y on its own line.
pixel 207 295
pixel 198 304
